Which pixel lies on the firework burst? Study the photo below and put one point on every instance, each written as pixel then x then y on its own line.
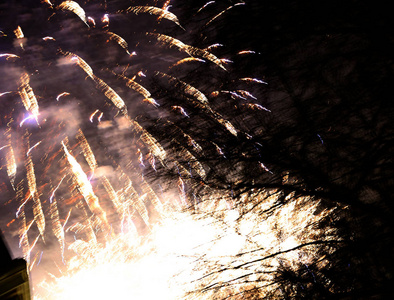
pixel 135 125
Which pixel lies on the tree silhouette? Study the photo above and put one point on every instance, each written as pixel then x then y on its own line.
pixel 329 69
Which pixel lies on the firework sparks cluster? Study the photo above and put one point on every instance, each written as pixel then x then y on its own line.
pixel 110 141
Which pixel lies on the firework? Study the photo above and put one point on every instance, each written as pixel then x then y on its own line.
pixel 75 8
pixel 162 13
pixel 126 166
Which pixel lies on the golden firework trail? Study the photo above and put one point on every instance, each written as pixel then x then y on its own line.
pixel 130 83
pixel 147 192
pixel 188 89
pixel 166 5
pixel 80 62
pixel 32 147
pixel 187 138
pixel 21 206
pixel 105 88
pixel 75 8
pixel 246 52
pixel 162 13
pixel 152 161
pixel 28 97
pixel 88 226
pixel 25 119
pixel 92 21
pixel 85 188
pixel 246 94
pixel 213 46
pixel 249 79
pixel 132 199
pixel 151 195
pixel 92 115
pixel 257 106
pixel 223 12
pixel 100 117
pixel 203 101
pixel 57 227
pixel 140 157
pixel 153 145
pixel 112 193
pixel 233 94
pixel 180 109
pixel 67 218
pixel 181 170
pixel 111 94
pixel 185 60
pixel 11 162
pixel 20 36
pixel 141 74
pixel 151 101
pixel 192 51
pixel 23 238
pixel 87 151
pixel 181 187
pixel 230 127
pixel 118 39
pixel 192 160
pixel 218 149
pixel 38 212
pixel 265 168
pixel 61 95
pixel 48 2
pixel 148 139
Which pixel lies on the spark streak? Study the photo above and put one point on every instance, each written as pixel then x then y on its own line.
pixel 92 115
pixel 32 147
pixel 130 83
pixel 162 13
pixel 105 88
pixel 223 12
pixel 173 42
pixel 61 95
pixel 55 189
pixel 25 119
pixel 48 38
pixel 21 206
pixel 8 56
pixel 180 108
pixel 249 79
pixel 205 5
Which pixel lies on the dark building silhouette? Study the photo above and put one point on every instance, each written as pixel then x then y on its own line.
pixel 14 280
